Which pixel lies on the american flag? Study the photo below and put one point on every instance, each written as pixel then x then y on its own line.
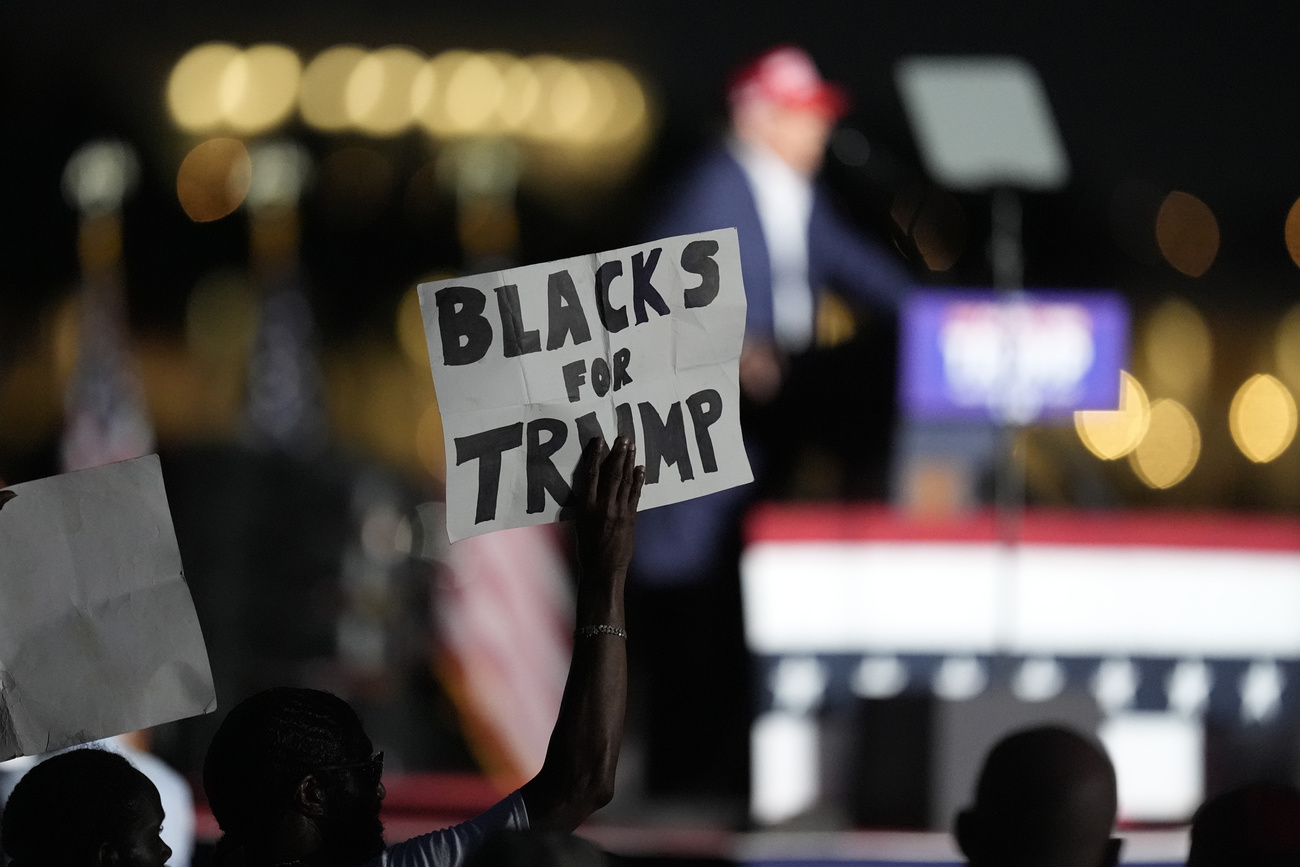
pixel 505 624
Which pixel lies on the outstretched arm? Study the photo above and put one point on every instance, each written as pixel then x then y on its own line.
pixel 577 777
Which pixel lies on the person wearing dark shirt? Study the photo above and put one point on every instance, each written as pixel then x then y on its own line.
pixel 1046 797
pixel 84 808
pixel 292 777
pixel 1257 825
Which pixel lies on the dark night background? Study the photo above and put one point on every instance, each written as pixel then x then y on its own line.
pixel 1192 97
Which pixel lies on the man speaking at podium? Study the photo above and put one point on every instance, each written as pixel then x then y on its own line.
pixel 762 181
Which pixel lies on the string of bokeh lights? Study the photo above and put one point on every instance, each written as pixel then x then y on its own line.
pixel 218 87
pixel 1161 438
pixel 578 120
pixel 229 95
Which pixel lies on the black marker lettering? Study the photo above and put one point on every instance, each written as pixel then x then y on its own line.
pixel 600 376
pixel 613 318
pixel 664 442
pixel 574 374
pixel 589 427
pixel 460 316
pixel 697 258
pixel 566 315
pixel 543 477
pixel 706 408
pixel 623 418
pixel 514 339
pixel 487 448
pixel 642 291
pixel 621 376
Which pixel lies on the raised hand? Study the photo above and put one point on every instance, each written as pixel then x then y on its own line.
pixel 577 777
pixel 607 503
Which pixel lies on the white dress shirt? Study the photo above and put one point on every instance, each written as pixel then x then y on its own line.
pixel 784 198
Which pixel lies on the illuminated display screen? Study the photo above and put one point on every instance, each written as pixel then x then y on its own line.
pixel 1021 357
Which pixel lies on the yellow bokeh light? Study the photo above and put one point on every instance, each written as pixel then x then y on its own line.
pixel 1187 233
pixel 426 95
pixel 1292 232
pixel 569 99
pixel 1111 434
pixel 194 87
pixel 213 179
pixel 520 91
pixel 321 97
pixel 1178 349
pixel 592 125
pixel 378 96
pixel 1262 418
pixel 473 94
pixel 259 87
pixel 1286 347
pixel 1170 448
pixel 563 96
pixel 631 108
pixel 429 89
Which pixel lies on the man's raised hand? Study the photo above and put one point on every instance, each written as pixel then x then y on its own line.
pixel 577 777
pixel 607 505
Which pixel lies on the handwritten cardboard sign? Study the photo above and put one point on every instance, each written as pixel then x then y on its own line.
pixel 98 634
pixel 531 363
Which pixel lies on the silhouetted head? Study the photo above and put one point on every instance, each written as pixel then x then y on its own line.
pixel 81 808
pixel 1046 797
pixel 537 848
pixel 1254 826
pixel 295 754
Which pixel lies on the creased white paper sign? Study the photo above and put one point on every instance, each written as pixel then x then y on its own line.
pixel 98 634
pixel 531 363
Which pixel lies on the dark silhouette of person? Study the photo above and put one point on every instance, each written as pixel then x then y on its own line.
pixel 291 775
pixel 1254 826
pixel 1046 797
pixel 84 808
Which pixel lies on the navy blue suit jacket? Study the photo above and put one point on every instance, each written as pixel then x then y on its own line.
pixel 677 543
pixel 717 194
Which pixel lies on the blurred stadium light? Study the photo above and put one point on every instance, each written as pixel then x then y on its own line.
pixel 281 169
pixel 1170 448
pixel 99 177
pixel 1111 434
pixel 214 179
pixel 1286 347
pixel 378 96
pixel 217 86
pixel 1187 233
pixel 381 93
pixel 1262 418
pixel 324 85
pixel 1178 351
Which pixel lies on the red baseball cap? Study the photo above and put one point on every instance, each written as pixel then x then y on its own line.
pixel 787 76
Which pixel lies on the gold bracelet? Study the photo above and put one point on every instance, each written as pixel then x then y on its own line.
pixel 599 629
